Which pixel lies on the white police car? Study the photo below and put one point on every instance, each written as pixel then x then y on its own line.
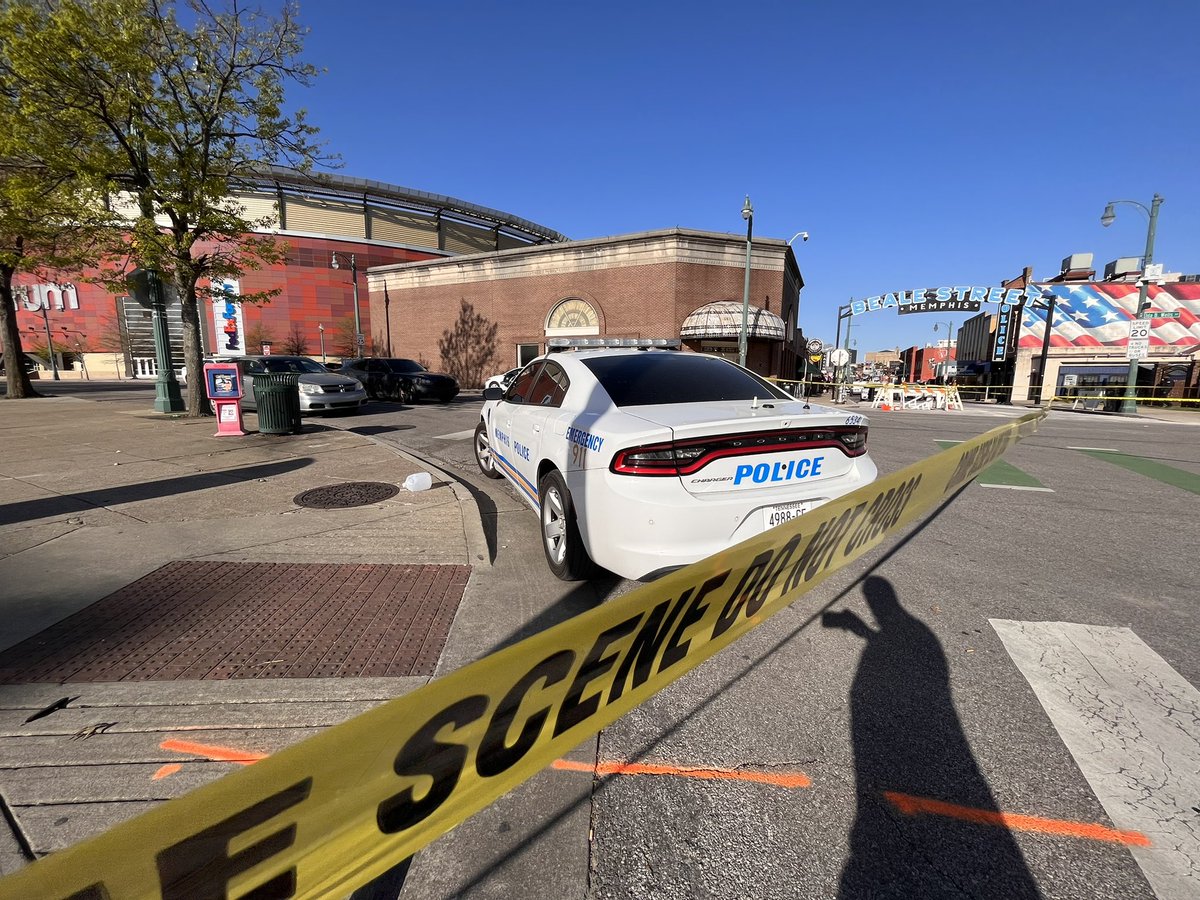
pixel 644 461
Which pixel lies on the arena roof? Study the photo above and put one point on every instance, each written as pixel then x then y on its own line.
pixel 334 186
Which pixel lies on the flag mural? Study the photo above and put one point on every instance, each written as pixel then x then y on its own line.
pixel 1098 315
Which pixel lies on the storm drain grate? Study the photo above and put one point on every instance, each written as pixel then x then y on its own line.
pixel 346 495
pixel 215 620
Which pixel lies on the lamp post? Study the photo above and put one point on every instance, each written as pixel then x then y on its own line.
pixel 1129 404
pixel 333 264
pixel 748 215
pixel 78 347
pixel 949 335
pixel 49 339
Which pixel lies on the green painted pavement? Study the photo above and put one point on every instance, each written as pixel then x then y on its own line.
pixel 1002 474
pixel 1150 468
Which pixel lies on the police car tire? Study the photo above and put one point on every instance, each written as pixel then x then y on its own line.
pixel 483 453
pixel 565 554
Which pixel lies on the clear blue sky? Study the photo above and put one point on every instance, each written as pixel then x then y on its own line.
pixel 921 144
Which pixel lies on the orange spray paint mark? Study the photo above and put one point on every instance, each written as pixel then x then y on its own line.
pixel 912 806
pixel 779 779
pixel 210 751
pixel 166 771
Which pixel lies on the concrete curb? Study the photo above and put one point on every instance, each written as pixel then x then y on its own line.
pixel 477 545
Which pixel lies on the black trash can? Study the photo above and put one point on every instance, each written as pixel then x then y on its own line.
pixel 277 396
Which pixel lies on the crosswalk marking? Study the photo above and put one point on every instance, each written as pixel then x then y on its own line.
pixel 1132 723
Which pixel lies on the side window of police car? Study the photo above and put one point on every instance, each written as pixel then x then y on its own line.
pixel 550 387
pixel 521 389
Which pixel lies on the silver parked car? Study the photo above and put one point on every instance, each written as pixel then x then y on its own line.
pixel 320 389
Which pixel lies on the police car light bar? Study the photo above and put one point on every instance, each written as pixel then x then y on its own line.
pixel 563 343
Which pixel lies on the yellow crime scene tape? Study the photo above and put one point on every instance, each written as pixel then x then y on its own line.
pixel 333 812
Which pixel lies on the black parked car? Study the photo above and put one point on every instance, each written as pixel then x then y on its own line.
pixel 405 380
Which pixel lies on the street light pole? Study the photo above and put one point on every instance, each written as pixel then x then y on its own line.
pixel 946 356
pixel 1129 403
pixel 78 347
pixel 743 340
pixel 49 340
pixel 333 264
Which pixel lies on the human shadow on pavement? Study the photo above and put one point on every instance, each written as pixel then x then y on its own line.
pixel 909 743
pixel 84 501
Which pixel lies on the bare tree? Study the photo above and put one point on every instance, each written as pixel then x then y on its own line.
pixel 469 348
pixel 295 344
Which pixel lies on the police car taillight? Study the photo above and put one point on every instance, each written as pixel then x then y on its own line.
pixel 854 440
pixel 687 457
pixel 654 459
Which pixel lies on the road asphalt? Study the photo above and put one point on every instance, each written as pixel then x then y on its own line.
pixel 96 494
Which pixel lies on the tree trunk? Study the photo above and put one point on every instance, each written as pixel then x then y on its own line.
pixel 19 385
pixel 193 352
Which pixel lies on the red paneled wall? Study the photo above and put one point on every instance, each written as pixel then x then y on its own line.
pixel 311 293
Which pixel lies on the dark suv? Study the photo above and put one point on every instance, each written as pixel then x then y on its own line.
pixel 405 380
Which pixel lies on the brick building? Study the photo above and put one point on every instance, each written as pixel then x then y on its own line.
pixel 671 285
pixel 106 335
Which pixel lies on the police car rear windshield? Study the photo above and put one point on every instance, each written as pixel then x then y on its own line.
pixel 652 379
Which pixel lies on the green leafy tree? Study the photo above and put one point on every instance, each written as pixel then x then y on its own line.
pixel 174 116
pixel 469 348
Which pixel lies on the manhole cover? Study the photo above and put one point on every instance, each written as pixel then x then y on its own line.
pixel 344 496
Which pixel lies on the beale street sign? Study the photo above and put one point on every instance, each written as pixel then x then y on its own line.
pixel 942 299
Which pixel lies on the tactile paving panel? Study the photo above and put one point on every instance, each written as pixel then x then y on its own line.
pixel 210 620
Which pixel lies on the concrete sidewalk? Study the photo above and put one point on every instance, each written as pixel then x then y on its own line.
pixel 96 494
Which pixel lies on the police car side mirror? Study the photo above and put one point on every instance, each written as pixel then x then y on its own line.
pixel 493 393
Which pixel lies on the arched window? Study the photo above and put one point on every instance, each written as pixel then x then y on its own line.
pixel 572 316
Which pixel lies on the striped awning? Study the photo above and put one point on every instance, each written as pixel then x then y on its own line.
pixel 723 319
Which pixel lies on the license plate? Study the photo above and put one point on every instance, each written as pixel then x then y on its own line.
pixel 785 512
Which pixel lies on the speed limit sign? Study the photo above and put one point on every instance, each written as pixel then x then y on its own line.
pixel 1139 339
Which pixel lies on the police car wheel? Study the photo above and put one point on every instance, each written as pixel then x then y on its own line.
pixel 483 453
pixel 565 553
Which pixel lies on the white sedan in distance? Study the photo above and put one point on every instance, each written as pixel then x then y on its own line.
pixel 642 461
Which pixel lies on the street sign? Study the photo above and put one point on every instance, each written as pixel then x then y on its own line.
pixel 1161 314
pixel 1154 272
pixel 839 357
pixel 361 340
pixel 1139 339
